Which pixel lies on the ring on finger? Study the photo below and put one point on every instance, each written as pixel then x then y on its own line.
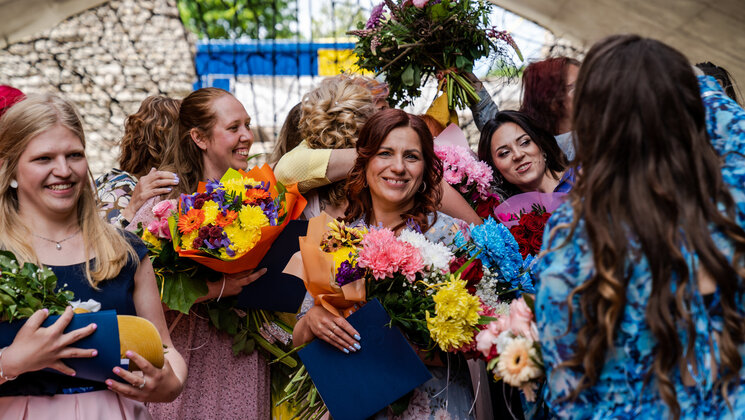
pixel 142 385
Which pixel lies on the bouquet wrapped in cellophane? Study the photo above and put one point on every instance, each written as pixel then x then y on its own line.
pixel 227 226
pixel 411 40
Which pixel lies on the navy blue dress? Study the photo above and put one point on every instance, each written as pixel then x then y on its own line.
pixel 114 294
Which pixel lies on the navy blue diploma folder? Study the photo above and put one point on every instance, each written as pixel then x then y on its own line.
pixel 105 339
pixel 275 290
pixel 358 385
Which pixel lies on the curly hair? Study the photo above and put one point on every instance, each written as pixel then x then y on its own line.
pixel 147 133
pixel 654 179
pixel 332 116
pixel 289 135
pixel 545 91
pixel 555 160
pixel 372 135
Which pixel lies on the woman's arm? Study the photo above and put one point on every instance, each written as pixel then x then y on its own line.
pixel 151 185
pixel 35 347
pixel 230 284
pixel 313 168
pixel 725 118
pixel 160 385
pixel 453 204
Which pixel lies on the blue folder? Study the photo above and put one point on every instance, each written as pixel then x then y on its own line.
pixel 358 385
pixel 275 290
pixel 105 339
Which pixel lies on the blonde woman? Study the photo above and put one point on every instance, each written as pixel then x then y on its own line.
pixel 49 217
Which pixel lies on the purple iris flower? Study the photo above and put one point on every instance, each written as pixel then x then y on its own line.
pixel 348 273
pixel 187 202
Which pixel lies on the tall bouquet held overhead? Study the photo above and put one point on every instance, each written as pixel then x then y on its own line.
pixel 410 40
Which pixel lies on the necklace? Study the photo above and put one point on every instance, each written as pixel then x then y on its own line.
pixel 58 244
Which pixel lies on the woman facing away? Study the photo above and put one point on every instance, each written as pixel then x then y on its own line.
pixel 214 135
pixel 640 296
pixel 524 157
pixel 49 217
pixel 548 91
pixel 395 180
pixel 147 134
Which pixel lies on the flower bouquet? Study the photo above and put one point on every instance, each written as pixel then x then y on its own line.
pixel 408 40
pixel 526 216
pixel 227 226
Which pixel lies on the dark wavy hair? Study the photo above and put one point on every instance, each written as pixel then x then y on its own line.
pixel 372 135
pixel 544 91
pixel 147 134
pixel 649 178
pixel 555 160
pixel 722 76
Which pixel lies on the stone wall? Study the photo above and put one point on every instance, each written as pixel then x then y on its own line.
pixel 106 60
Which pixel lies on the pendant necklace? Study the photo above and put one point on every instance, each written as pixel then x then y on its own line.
pixel 57 244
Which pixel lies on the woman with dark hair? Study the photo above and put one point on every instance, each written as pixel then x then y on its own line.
pixel 395 181
pixel 639 302
pixel 548 89
pixel 524 157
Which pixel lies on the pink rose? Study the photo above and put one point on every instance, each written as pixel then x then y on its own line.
pixel 501 324
pixel 420 3
pixel 164 208
pixel 520 319
pixel 160 229
pixel 485 341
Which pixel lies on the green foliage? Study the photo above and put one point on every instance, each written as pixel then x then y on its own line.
pixel 24 290
pixel 440 41
pixel 229 19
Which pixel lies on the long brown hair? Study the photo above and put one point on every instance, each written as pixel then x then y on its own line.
pixel 147 134
pixel 649 177
pixel 545 91
pixel 372 135
pixel 184 157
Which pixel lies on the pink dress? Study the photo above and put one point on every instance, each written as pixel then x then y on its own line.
pixel 219 385
pixel 87 406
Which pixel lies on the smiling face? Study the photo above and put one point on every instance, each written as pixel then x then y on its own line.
pixel 51 174
pixel 230 140
pixel 395 173
pixel 518 158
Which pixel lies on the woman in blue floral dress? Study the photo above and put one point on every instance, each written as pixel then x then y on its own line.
pixel 640 296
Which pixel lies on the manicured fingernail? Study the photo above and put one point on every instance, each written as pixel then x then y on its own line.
pixel 352 348
pixel 346 351
pixel 175 177
pixel 357 346
pixel 72 374
pixel 46 311
pixel 356 336
pixel 109 382
pixel 169 189
pixel 94 353
pixel 128 353
pixel 116 370
pixel 94 326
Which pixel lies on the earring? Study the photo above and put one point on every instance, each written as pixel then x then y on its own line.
pixel 13 183
pixel 423 188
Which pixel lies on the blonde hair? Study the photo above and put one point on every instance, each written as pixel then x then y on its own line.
pixel 332 116
pixel 22 123
pixel 147 134
pixel 183 156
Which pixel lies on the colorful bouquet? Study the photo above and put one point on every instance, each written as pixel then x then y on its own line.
pixel 529 231
pixel 526 216
pixel 409 41
pixel 510 346
pixel 225 227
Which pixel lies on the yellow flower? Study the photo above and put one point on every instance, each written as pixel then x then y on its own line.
pixel 252 217
pixel 517 363
pixel 341 255
pixel 237 186
pixel 210 209
pixel 188 239
pixel 151 239
pixel 243 240
pixel 456 315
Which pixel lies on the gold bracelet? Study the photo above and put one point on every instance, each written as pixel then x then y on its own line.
pixel 2 374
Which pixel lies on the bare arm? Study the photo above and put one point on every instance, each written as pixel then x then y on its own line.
pixel 341 162
pixel 454 205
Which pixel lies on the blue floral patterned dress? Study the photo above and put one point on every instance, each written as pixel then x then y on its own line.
pixel 620 391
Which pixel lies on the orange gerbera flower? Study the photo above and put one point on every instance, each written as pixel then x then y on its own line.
pixel 223 220
pixel 193 219
pixel 255 194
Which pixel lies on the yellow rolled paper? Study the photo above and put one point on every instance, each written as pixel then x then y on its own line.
pixel 140 336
